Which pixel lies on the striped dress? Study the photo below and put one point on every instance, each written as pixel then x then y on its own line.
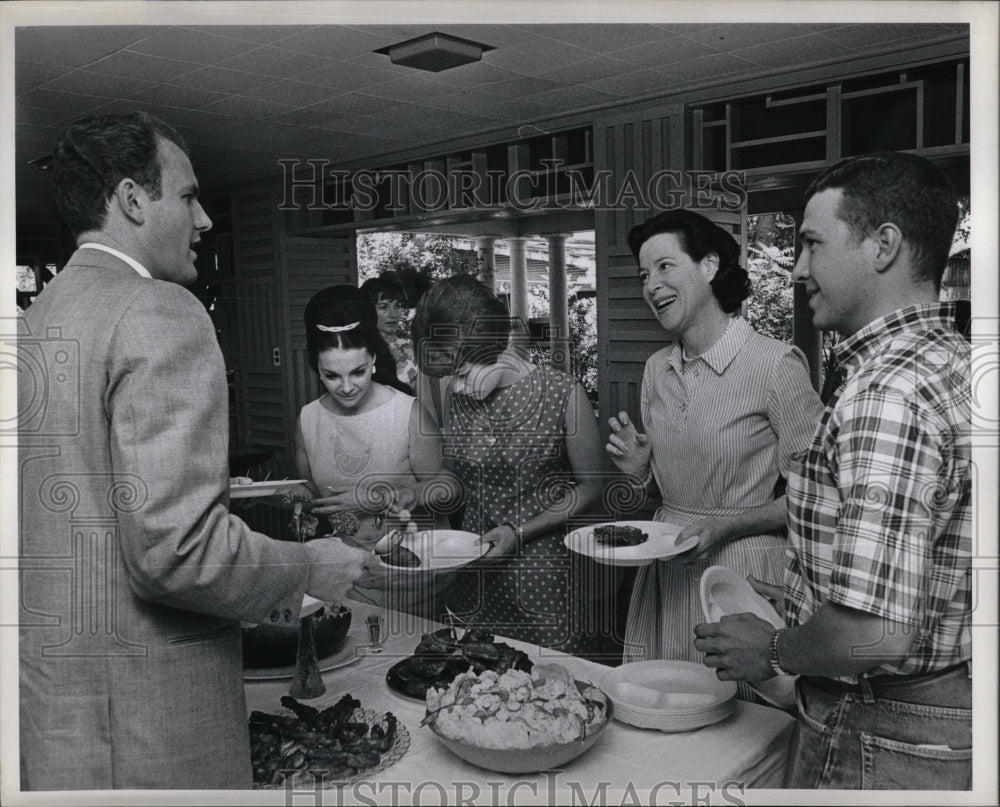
pixel 723 426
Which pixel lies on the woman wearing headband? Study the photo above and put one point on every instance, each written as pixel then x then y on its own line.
pixel 367 448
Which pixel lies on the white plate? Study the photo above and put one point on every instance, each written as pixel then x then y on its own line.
pixel 669 687
pixel 310 605
pixel 724 592
pixel 348 653
pixel 668 695
pixel 662 543
pixel 439 550
pixel 263 488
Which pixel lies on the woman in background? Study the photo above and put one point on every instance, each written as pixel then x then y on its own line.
pixel 724 409
pixel 366 447
pixel 522 438
pixel 387 293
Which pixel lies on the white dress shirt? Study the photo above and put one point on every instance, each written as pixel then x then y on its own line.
pixel 142 270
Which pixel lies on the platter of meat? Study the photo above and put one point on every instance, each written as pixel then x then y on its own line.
pixel 629 543
pixel 326 748
pixel 243 487
pixel 442 655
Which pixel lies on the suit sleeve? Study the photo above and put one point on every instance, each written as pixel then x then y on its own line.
pixel 168 422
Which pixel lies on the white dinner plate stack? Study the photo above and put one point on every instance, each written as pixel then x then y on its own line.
pixel 669 695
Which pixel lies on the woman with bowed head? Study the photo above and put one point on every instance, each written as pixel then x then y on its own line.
pixel 368 450
pixel 387 293
pixel 723 409
pixel 523 439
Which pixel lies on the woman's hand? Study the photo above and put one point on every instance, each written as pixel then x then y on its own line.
pixel 628 448
pixel 711 532
pixel 504 540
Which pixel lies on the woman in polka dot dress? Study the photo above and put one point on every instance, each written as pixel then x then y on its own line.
pixel 522 439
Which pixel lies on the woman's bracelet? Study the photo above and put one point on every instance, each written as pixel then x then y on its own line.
pixel 517 530
pixel 637 486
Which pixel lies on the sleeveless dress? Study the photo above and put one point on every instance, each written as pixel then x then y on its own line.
pixel 372 446
pixel 723 427
pixel 509 450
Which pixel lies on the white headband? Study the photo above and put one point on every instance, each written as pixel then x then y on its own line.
pixel 338 328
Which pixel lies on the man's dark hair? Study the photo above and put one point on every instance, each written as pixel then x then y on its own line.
pixel 97 153
pixel 904 189
pixel 461 315
pixel 699 237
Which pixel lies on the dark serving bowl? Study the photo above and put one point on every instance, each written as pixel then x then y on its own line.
pixel 275 645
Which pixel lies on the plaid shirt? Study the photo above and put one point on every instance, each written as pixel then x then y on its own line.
pixel 879 509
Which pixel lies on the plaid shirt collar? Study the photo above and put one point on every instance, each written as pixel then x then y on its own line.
pixel 854 351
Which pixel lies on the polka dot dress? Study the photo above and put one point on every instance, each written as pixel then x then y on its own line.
pixel 510 452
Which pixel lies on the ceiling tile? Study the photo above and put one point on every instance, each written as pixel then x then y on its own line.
pixel 238 106
pixel 666 51
pixel 42 98
pixel 276 62
pixel 599 38
pixel 411 88
pixel 639 82
pixel 803 49
pixel 513 108
pixel 476 74
pixel 139 65
pixel 28 75
pixel 76 46
pixel 865 36
pixel 292 93
pixel 260 34
pixel 476 102
pixel 43 116
pixel 536 58
pixel 189 119
pixel 175 95
pixel 732 37
pixel 523 87
pixel 573 97
pixel 345 75
pixel 333 42
pixel 219 79
pixel 708 66
pixel 191 45
pixel 85 82
pixel 589 70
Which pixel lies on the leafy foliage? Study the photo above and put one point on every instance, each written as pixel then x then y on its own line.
pixel 770 259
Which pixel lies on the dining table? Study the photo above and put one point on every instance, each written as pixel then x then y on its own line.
pixel 718 763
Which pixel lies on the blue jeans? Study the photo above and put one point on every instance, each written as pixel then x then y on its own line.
pixel 913 733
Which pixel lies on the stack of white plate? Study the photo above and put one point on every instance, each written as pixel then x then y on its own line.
pixel 669 695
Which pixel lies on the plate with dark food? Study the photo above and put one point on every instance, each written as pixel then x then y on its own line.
pixel 269 650
pixel 629 543
pixel 428 550
pixel 442 655
pixel 328 747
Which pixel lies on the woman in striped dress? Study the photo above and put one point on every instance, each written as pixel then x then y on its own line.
pixel 723 409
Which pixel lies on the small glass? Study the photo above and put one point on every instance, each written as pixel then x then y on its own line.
pixel 376 632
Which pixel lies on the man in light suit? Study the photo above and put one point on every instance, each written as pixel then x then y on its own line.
pixel 134 575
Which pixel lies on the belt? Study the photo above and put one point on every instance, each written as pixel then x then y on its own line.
pixel 884 684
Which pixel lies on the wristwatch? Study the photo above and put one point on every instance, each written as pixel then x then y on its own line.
pixel 772 654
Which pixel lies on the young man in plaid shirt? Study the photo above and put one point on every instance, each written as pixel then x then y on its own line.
pixel 877 595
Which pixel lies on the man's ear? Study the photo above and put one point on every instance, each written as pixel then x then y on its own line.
pixel 888 242
pixel 131 198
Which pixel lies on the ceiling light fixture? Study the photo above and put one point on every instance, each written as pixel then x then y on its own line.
pixel 435 52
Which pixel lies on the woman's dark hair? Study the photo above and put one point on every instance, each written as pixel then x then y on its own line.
pixel 699 237
pixel 340 307
pixel 97 153
pixel 459 316
pixel 386 286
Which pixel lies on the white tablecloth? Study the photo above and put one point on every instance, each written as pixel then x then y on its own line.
pixel 719 762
